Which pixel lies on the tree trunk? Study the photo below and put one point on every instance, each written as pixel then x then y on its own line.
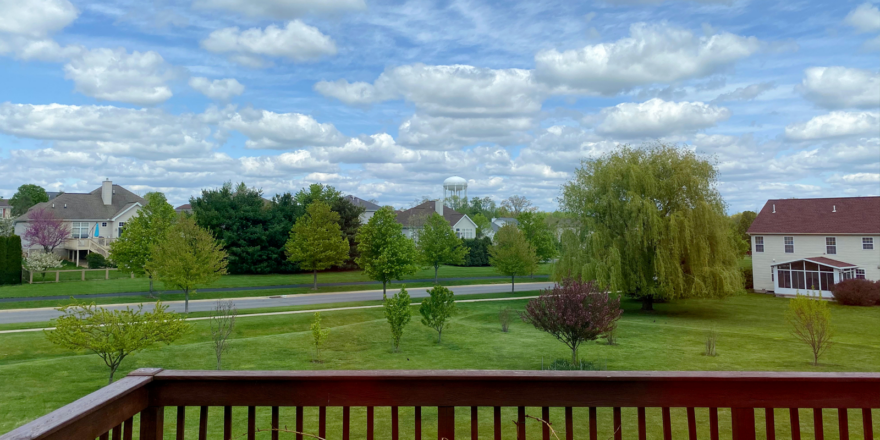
pixel 151 286
pixel 218 362
pixel 383 289
pixel 436 267
pixel 186 301
pixel 648 303
pixel 574 356
pixel 316 279
pixel 512 283
pixel 112 371
pixel 439 335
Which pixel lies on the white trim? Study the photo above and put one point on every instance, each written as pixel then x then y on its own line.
pixel 119 214
pixel 813 261
pixel 862 234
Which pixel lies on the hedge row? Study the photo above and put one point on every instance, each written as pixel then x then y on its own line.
pixel 10 260
pixel 478 251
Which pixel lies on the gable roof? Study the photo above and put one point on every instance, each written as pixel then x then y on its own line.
pixel 89 206
pixel 4 202
pixel 184 207
pixel 820 260
pixel 841 215
pixel 425 210
pixel 366 204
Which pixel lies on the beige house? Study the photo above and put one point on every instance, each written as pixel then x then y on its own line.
pixel 5 209
pixel 807 245
pixel 413 219
pixel 370 208
pixel 94 219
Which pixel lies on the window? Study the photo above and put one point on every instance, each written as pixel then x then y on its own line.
pixel 860 274
pixel 830 245
pixel 867 243
pixel 759 244
pixel 79 230
pixel 789 245
pixel 121 227
pixel 103 224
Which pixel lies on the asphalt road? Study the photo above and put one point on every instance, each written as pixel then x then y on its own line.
pixel 46 314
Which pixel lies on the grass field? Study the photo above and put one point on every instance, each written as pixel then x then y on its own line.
pixel 126 284
pixel 36 377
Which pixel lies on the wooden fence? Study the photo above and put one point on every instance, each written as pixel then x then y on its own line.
pixel 110 411
pixel 30 276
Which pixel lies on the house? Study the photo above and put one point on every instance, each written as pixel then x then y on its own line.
pixel 185 208
pixel 807 245
pixel 5 209
pixel 370 208
pixel 498 223
pixel 94 219
pixel 413 219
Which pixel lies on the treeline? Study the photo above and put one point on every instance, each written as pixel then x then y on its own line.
pixel 254 230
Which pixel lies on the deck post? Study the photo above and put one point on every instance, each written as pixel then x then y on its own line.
pixel 743 420
pixel 83 274
pixel 57 276
pixel 106 274
pixel 152 423
pixel 446 423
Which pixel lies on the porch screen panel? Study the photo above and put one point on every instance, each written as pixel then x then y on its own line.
pixel 798 281
pixel 827 279
pixel 785 279
pixel 812 280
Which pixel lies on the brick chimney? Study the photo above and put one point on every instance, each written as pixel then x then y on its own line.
pixel 107 192
pixel 438 206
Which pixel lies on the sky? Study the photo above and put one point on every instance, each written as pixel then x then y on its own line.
pixel 384 100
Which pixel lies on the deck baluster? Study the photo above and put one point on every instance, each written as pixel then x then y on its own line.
pixel 569 424
pixel 475 423
pixel 618 425
pixel 521 423
pixel 692 424
pixel 643 431
pixel 713 423
pixel 770 422
pixel 299 423
pixel 322 422
pixel 346 422
pixel 274 422
pixel 252 423
pixel 545 427
pixel 794 416
pixel 667 424
pixel 818 425
pixel 181 422
pixel 497 420
pixel 843 423
pixel 395 435
pixel 867 424
pixel 203 423
pixel 227 422
pixel 418 422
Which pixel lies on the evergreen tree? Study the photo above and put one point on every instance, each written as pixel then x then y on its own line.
pixel 131 251
pixel 385 253
pixel 652 225
pixel 511 254
pixel 316 242
pixel 438 244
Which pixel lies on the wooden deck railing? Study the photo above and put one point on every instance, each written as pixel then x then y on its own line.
pixel 111 412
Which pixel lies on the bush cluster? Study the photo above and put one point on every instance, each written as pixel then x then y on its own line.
pixel 748 278
pixel 478 251
pixel 97 261
pixel 10 260
pixel 856 292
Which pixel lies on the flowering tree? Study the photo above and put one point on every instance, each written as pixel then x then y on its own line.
pixel 45 230
pixel 573 313
pixel 42 261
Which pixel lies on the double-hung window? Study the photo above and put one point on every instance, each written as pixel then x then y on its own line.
pixel 121 227
pixel 831 245
pixel 79 230
pixel 789 245
pixel 759 244
pixel 867 243
pixel 860 274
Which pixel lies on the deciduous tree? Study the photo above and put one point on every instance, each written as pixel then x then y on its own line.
pixel 115 334
pixel 516 205
pixel 316 242
pixel 652 225
pixel 537 232
pixel 46 230
pixel 398 315
pixel 385 253
pixel 741 222
pixel 131 251
pixel 41 262
pixel 810 321
pixel 27 196
pixel 483 224
pixel 438 244
pixel 437 308
pixel 573 313
pixel 319 335
pixel 511 254
pixel 222 325
pixel 187 257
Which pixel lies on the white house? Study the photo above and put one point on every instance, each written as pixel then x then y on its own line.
pixel 94 219
pixel 806 245
pixel 370 208
pixel 413 219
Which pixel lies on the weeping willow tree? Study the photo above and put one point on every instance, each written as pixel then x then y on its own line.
pixel 652 226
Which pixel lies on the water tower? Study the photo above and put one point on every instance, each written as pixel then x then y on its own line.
pixel 455 191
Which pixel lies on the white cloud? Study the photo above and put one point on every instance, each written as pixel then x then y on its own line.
pixel 297 41
pixel 43 49
pixel 443 133
pixel 282 131
pixel 865 18
pixel 841 87
pixel 218 89
pixel 746 93
pixel 455 90
pixel 283 9
pixel 835 125
pixel 656 118
pixel 144 133
pixel 35 18
pixel 652 54
pixel 115 75
pixel 378 148
pixel 858 178
pixel 283 164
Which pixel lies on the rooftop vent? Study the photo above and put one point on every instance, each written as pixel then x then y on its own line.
pixel 833 208
pixel 65 206
pixel 774 208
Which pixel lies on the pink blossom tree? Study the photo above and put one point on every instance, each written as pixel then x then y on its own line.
pixel 45 230
pixel 574 312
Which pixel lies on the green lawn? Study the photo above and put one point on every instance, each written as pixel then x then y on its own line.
pixel 124 284
pixel 36 377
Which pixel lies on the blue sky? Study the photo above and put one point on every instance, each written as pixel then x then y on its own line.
pixel 386 99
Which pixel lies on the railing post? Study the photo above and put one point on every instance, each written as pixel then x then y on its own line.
pixel 743 420
pixel 57 276
pixel 106 274
pixel 446 423
pixel 152 423
pixel 83 274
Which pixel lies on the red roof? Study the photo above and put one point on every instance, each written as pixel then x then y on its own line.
pixel 842 215
pixel 186 206
pixel 820 260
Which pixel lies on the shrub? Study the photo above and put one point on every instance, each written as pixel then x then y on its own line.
pixel 96 261
pixel 581 365
pixel 711 341
pixel 42 261
pixel 748 278
pixel 856 292
pixel 504 316
pixel 13 260
pixel 478 252
pixel 810 320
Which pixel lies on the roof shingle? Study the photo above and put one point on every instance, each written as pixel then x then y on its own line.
pixel 841 215
pixel 89 206
pixel 423 211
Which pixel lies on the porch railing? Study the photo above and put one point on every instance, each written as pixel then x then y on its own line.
pixel 111 412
